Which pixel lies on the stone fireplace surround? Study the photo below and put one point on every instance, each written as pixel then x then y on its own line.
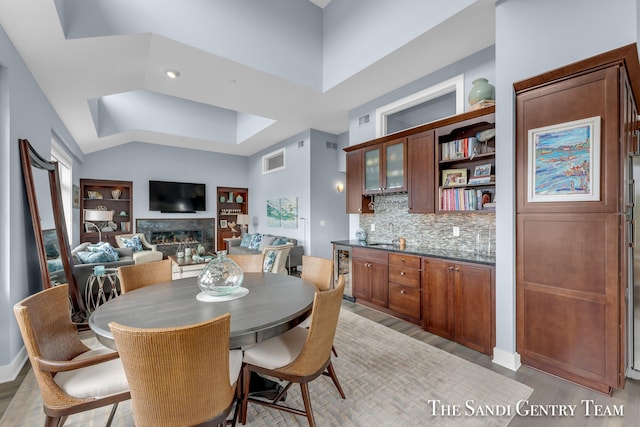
pixel 167 233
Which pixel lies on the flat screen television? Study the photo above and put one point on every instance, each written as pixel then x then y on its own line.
pixel 177 197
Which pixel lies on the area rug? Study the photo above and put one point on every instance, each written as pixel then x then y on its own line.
pixel 389 379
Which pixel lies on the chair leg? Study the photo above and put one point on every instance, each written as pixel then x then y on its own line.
pixel 246 380
pixel 50 421
pixel 333 349
pixel 111 415
pixel 304 390
pixel 334 378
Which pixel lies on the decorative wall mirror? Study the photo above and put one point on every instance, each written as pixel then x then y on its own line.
pixel 47 217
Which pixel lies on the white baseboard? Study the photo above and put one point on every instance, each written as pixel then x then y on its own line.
pixel 506 359
pixel 10 372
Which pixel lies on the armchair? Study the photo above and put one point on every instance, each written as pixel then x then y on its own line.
pixel 143 251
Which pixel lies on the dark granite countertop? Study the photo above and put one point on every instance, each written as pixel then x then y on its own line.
pixel 450 254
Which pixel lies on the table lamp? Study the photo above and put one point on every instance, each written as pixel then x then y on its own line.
pixel 243 220
pixel 91 216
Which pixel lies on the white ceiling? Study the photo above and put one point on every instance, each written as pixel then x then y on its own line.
pixel 83 76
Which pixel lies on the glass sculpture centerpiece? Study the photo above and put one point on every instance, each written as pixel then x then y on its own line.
pixel 222 276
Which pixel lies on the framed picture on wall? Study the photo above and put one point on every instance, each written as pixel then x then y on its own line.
pixel 564 162
pixel 223 223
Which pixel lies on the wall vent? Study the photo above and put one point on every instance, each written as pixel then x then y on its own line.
pixel 273 162
pixel 332 145
pixel 363 120
pixel 300 144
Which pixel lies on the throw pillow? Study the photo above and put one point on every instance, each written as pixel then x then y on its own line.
pixel 134 243
pixel 266 241
pixel 105 247
pixel 51 251
pixel 88 257
pixel 255 241
pixel 246 240
pixel 280 241
pixel 269 259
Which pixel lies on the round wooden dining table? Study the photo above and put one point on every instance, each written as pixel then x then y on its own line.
pixel 275 303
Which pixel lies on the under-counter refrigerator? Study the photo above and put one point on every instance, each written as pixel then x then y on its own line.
pixel 342 265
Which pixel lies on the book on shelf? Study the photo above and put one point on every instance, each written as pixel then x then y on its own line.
pixel 483 179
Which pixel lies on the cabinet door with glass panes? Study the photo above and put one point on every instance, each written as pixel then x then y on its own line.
pixel 385 167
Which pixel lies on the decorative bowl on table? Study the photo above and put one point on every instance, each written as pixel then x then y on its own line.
pixel 222 276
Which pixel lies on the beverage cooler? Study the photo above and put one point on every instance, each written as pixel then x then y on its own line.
pixel 342 265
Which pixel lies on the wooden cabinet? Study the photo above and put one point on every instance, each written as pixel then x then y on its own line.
pixel 385 167
pixel 232 202
pixel 411 161
pixel 371 276
pixel 421 172
pixel 356 201
pixel 466 164
pixel 458 303
pixel 101 194
pixel 405 286
pixel 571 305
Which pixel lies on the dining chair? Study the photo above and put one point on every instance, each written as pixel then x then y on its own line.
pixel 140 275
pixel 72 377
pixel 180 376
pixel 251 263
pixel 319 272
pixel 299 355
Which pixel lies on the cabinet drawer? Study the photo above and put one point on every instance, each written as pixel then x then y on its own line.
pixel 404 276
pixel 373 255
pixel 405 260
pixel 404 300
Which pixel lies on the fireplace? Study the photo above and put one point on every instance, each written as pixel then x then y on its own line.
pixel 167 234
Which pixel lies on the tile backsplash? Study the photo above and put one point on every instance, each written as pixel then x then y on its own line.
pixel 393 220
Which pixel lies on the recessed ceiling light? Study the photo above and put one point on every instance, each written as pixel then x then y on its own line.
pixel 172 74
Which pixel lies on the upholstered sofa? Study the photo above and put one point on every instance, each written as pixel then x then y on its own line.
pixel 239 245
pixel 82 271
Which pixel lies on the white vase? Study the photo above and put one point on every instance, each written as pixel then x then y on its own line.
pixel 116 194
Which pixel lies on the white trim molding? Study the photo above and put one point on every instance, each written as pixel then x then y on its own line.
pixel 506 359
pixel 453 85
pixel 10 372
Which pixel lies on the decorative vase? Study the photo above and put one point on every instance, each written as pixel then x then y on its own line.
pixel 222 199
pixel 480 91
pixel 116 194
pixel 361 234
pixel 222 276
pixel 239 199
pixel 201 250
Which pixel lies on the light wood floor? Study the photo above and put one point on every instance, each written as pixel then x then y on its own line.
pixel 547 389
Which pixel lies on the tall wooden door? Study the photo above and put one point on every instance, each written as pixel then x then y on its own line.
pixel 570 266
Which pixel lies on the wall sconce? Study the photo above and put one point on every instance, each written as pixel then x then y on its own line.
pixel 340 187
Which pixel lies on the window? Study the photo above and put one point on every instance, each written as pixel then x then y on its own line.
pixel 442 100
pixel 64 170
pixel 273 161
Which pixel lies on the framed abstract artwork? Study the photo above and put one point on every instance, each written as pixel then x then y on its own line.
pixel 564 162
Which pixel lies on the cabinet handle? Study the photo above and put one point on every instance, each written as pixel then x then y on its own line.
pixel 402 273
pixel 403 291
pixel 457 269
pixel 450 268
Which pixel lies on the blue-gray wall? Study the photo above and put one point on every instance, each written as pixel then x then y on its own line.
pixel 24 113
pixel 140 162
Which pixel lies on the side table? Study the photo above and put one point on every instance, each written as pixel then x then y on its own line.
pixel 186 266
pixel 100 288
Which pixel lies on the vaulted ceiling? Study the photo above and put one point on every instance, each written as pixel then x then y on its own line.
pixel 251 72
